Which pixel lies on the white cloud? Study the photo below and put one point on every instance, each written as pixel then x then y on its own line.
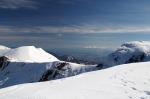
pixel 74 29
pixel 15 4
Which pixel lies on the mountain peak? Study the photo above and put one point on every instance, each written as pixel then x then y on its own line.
pixel 27 54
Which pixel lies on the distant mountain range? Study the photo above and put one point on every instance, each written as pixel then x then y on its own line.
pixel 28 64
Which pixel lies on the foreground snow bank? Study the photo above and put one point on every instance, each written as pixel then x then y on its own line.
pixel 27 54
pixel 130 52
pixel 130 81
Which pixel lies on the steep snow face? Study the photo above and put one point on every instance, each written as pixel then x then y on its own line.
pixel 27 54
pixel 130 81
pixel 15 73
pixel 130 52
pixel 29 64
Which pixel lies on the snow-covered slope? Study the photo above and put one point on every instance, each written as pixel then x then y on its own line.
pixel 15 73
pixel 130 52
pixel 3 50
pixel 28 64
pixel 27 54
pixel 130 81
pixel 3 47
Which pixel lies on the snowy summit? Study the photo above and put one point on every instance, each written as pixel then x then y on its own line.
pixel 130 52
pixel 27 54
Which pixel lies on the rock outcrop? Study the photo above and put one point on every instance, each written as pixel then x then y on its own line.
pixel 3 62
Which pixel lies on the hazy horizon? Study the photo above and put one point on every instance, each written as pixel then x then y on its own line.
pixel 71 41
pixel 73 24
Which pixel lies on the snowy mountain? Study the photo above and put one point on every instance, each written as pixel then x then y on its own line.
pixel 28 64
pixel 130 52
pixel 26 54
pixel 129 81
pixel 15 73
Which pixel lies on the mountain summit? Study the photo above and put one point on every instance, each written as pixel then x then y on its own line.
pixel 130 52
pixel 27 54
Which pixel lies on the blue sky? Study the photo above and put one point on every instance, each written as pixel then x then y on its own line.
pixel 74 16
pixel 73 23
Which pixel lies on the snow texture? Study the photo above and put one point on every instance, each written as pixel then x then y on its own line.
pixel 129 81
pixel 27 54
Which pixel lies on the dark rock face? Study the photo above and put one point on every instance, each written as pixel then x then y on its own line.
pixel 128 58
pixel 59 70
pixel 100 66
pixel 139 58
pixel 53 72
pixel 75 60
pixel 3 62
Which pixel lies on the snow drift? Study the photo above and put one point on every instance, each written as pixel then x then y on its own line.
pixel 26 54
pixel 130 52
pixel 129 81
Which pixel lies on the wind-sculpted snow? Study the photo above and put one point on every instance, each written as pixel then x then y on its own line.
pixel 129 81
pixel 18 72
pixel 130 52
pixel 27 54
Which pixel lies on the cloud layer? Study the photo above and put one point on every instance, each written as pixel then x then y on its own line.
pixel 16 4
pixel 74 29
